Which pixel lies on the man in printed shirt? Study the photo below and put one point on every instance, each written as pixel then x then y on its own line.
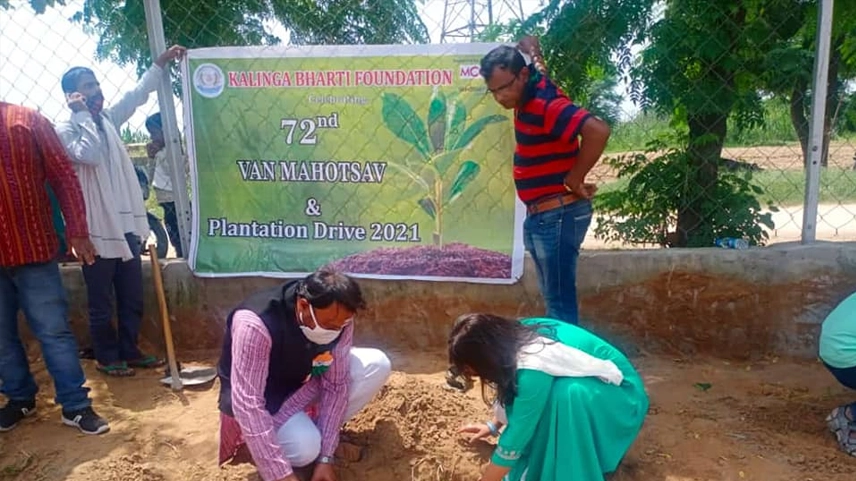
pixel 558 143
pixel 285 349
pixel 31 156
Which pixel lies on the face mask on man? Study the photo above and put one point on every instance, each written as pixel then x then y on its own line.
pixel 318 334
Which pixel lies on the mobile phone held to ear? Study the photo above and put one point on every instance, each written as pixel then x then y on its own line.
pixel 69 95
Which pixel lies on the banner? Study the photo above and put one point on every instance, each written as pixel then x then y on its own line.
pixel 388 162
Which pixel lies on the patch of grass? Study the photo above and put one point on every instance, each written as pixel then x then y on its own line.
pixel 24 461
pixel 786 188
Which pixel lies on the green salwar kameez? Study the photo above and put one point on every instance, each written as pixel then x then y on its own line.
pixel 571 428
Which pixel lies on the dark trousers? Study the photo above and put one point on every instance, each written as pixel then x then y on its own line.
pixel 847 378
pixel 170 219
pixel 105 279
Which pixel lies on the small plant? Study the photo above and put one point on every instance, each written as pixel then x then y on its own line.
pixel 439 142
pixel 645 211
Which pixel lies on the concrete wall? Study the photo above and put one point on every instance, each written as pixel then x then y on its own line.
pixel 732 303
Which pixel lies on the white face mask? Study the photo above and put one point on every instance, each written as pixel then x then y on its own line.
pixel 318 334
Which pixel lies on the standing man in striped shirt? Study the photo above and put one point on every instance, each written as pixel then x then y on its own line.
pixel 32 156
pixel 558 143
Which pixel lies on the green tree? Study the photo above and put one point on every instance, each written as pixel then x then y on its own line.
pixel 789 69
pixel 700 65
pixel 38 5
pixel 121 25
pixel 594 86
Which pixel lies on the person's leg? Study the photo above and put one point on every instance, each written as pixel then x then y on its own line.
pixel 300 440
pixel 170 220
pixel 533 249
pixel 370 369
pixel 842 420
pixel 575 224
pixel 99 292
pixel 43 299
pixel 556 237
pixel 129 303
pixel 18 384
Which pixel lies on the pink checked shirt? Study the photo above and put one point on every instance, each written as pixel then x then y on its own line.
pixel 252 424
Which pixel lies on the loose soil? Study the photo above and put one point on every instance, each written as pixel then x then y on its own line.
pixel 709 420
pixel 451 260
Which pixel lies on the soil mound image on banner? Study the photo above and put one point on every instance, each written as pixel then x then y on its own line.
pixel 299 164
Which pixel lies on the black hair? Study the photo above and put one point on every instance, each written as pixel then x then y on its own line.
pixel 71 78
pixel 488 345
pixel 504 57
pixel 154 122
pixel 324 287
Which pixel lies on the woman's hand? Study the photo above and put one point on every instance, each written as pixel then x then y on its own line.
pixel 479 431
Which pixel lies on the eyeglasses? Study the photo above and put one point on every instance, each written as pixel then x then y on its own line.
pixel 504 86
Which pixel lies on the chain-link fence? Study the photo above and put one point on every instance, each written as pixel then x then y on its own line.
pixel 710 103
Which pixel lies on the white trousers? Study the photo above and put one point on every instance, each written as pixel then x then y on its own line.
pixel 300 438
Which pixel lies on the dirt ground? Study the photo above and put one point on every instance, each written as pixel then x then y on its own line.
pixel 709 420
pixel 768 157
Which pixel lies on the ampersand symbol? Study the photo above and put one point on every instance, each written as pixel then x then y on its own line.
pixel 312 208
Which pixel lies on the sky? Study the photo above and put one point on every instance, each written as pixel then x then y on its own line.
pixel 35 50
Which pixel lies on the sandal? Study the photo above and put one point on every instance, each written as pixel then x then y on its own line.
pixel 119 369
pixel 147 362
pixel 843 428
pixel 838 419
pixel 847 441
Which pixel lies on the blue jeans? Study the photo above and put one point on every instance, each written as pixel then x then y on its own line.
pixel 38 290
pixel 105 278
pixel 553 239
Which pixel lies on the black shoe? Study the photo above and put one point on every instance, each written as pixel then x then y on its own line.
pixel 86 420
pixel 13 412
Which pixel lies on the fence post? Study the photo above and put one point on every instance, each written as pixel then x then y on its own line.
pixel 157 43
pixel 818 115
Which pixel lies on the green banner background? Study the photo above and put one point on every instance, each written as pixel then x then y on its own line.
pixel 246 124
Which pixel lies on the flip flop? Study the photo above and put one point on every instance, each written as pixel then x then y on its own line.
pixel 119 369
pixel 147 362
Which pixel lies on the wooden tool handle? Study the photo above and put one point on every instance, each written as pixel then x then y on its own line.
pixel 164 313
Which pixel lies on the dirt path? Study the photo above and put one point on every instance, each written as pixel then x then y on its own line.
pixel 763 421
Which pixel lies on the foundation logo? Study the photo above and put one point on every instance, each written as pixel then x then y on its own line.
pixel 208 80
pixel 469 72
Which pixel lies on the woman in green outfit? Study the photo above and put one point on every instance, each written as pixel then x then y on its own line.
pixel 571 403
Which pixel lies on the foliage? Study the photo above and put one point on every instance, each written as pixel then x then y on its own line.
pixel 659 187
pixel 586 36
pixel 788 69
pixel 121 26
pixel 133 136
pixel 596 89
pixel 39 6
pixel 439 141
pixel 702 67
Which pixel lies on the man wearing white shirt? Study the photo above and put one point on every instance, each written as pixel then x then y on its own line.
pixel 162 180
pixel 114 210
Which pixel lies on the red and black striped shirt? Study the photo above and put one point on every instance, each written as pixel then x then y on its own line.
pixel 547 129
